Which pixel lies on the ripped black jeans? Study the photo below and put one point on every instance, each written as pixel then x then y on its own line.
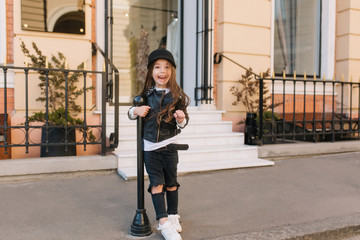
pixel 161 167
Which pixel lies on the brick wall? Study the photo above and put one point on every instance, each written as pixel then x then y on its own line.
pixel 10 31
pixel 10 55
pixel 299 103
pixel 10 60
pixel 10 100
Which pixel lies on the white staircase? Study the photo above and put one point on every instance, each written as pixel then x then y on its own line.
pixel 213 145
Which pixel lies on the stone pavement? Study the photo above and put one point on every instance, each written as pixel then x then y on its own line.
pixel 314 197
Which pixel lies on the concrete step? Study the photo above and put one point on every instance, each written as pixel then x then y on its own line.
pixel 226 164
pixel 129 129
pixel 183 168
pixel 205 115
pixel 30 166
pixel 212 143
pixel 200 159
pixel 195 114
pixel 194 140
pixel 198 154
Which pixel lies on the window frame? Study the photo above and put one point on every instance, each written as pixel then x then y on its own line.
pixel 326 42
pixel 52 19
pixel 327 48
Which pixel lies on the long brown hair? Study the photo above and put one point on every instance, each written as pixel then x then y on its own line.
pixel 179 96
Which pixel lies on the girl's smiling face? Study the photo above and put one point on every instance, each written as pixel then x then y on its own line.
pixel 161 73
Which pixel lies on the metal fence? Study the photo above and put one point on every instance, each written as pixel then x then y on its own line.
pixel 299 108
pixel 28 130
pixel 309 110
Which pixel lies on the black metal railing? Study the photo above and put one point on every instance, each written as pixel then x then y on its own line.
pixel 111 87
pixel 310 110
pixel 204 86
pixel 203 94
pixel 27 132
pixel 303 109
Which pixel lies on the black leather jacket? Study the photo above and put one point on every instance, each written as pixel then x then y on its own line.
pixel 153 131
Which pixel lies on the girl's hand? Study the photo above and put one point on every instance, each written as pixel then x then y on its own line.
pixel 141 111
pixel 179 115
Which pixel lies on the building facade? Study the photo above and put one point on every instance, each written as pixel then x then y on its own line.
pixel 310 37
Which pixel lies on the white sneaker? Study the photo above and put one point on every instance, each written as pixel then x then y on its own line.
pixel 174 219
pixel 169 232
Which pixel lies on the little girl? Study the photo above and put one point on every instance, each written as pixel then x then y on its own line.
pixel 164 113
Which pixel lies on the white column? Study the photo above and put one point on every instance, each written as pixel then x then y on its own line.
pixel 328 38
pixel 272 33
pixel 189 48
pixel 100 41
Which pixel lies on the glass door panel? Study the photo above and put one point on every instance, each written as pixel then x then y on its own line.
pixel 141 26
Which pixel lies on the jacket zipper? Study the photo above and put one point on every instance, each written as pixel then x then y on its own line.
pixel 158 132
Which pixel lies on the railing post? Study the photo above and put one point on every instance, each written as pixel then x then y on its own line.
pixel 5 111
pixel 333 112
pixel 314 111
pixel 261 109
pixel 66 109
pixel 84 123
pixel 26 110
pixel 103 115
pixel 351 96
pixel 358 120
pixel 140 226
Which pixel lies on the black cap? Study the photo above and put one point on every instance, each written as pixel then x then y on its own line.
pixel 160 54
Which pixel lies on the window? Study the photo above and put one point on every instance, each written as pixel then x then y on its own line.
pixel 297 36
pixel 140 27
pixel 53 16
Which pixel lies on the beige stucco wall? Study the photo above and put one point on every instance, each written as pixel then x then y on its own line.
pixel 347 39
pixel 243 32
pixel 347 49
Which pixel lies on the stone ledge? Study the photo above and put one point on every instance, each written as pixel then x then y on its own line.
pixel 303 149
pixel 16 167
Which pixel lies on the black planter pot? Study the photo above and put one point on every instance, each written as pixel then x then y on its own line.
pixel 57 135
pixel 250 129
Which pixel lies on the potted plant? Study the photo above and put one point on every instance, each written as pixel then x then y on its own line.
pixel 58 118
pixel 248 95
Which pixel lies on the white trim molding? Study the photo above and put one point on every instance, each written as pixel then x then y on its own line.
pixel 272 34
pixel 100 41
pixel 10 76
pixel 328 24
